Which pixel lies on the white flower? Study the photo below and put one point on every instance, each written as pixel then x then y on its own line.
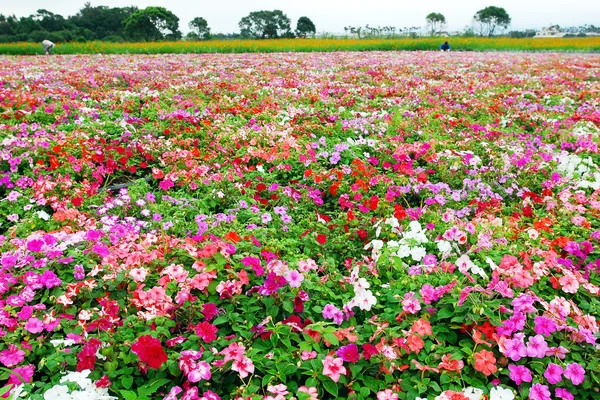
pixel 444 246
pixel 417 253
pixel 43 215
pixel 365 300
pixel 415 226
pixel 58 392
pixel 500 393
pixel 403 251
pixel 473 393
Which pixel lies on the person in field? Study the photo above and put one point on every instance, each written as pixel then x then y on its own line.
pixel 48 45
pixel 445 46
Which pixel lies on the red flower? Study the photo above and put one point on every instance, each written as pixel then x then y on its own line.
pixel 322 239
pixel 150 351
pixel 207 331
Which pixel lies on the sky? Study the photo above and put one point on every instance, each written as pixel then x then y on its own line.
pixel 332 15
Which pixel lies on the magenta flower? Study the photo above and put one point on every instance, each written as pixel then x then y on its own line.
pixel 544 326
pixel 564 394
pixel 539 392
pixel 519 373
pixel 515 349
pixel 24 372
pixel 575 373
pixel 35 245
pixel 333 368
pixel 11 356
pixel 34 325
pixel 349 353
pixel 537 346
pixel 553 373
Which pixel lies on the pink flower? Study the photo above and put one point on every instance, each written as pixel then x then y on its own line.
pixel 233 352
pixel 559 352
pixel 575 373
pixel 539 392
pixel 564 394
pixel 34 325
pixel 244 366
pixel 544 326
pixel 536 346
pixel 280 389
pixel 515 349
pixel 519 373
pixel 333 368
pixel 11 356
pixel 386 394
pixel 308 355
pixel 569 283
pixel 410 303
pixel 25 373
pixel 349 353
pixel 553 373
pixel 201 371
pixel 294 278
pixel 207 331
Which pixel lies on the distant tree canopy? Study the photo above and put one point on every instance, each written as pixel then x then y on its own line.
pixel 491 18
pixel 305 27
pixel 435 22
pixel 152 23
pixel 266 25
pixel 199 27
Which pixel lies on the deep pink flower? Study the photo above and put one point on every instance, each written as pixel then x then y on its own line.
pixel 24 372
pixel 544 326
pixel 539 392
pixel 349 353
pixel 575 373
pixel 35 245
pixel 519 373
pixel 553 373
pixel 34 325
pixel 515 349
pixel 11 356
pixel 150 351
pixel 536 346
pixel 564 394
pixel 207 331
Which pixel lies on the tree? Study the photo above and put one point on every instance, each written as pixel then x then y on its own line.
pixel 200 28
pixel 152 23
pixel 266 25
pixel 101 22
pixel 491 18
pixel 305 27
pixel 435 22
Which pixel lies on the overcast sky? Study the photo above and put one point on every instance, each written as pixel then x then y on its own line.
pixel 332 15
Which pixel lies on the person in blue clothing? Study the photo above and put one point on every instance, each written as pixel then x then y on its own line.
pixel 445 46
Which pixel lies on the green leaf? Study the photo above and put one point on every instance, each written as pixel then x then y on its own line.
pixel 127 381
pixel 288 306
pixel 330 386
pixel 151 388
pixel 444 313
pixel 128 395
pixel 331 338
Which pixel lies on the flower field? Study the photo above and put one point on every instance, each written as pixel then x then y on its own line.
pixel 377 225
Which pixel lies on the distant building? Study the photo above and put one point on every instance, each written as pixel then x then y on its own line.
pixel 551 32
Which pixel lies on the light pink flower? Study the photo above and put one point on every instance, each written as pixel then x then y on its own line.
pixel 34 325
pixel 312 391
pixel 294 278
pixel 244 366
pixel 333 368
pixel 387 394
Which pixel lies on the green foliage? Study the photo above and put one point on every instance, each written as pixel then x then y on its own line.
pixel 152 23
pixel 305 27
pixel 491 18
pixel 200 27
pixel 265 25
pixel 435 22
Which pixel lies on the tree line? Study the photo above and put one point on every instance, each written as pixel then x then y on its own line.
pixel 119 24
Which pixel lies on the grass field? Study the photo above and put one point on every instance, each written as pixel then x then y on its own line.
pixel 310 45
